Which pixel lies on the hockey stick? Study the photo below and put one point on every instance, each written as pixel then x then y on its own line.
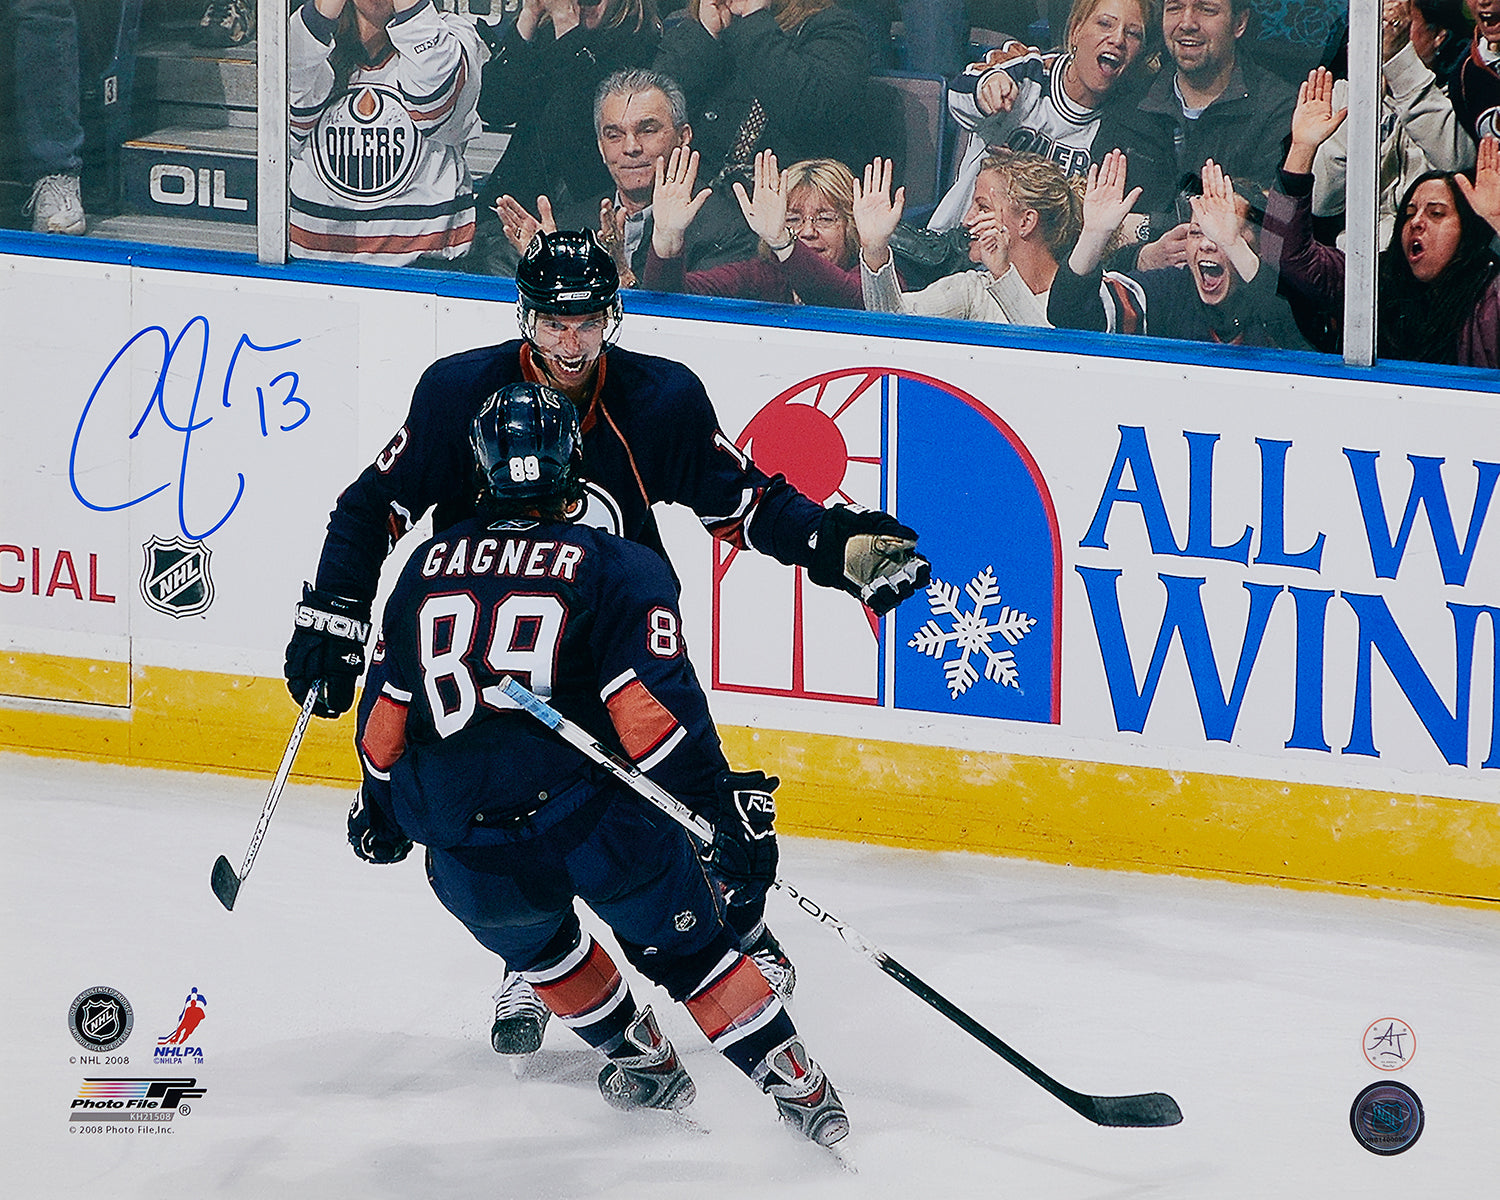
pixel 1150 1109
pixel 226 883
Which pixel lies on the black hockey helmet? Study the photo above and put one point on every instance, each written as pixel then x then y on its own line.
pixel 567 273
pixel 528 449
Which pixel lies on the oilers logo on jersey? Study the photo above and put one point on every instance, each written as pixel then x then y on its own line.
pixel 601 510
pixel 365 146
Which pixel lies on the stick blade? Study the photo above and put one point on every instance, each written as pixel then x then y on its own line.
pixel 1150 1110
pixel 226 883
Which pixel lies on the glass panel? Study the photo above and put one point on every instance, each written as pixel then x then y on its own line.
pixel 137 120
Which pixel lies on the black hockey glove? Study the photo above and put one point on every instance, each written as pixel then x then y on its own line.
pixel 744 852
pixel 870 555
pixel 327 649
pixel 374 836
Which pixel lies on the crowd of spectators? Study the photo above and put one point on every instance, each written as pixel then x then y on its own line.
pixel 1149 173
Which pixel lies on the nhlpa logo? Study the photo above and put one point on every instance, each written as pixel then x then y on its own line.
pixel 175 579
pixel 174 1046
pixel 365 145
pixel 985 638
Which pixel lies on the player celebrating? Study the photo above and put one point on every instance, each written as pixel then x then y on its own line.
pixel 517 824
pixel 650 436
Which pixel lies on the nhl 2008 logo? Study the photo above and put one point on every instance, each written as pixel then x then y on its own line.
pixel 100 1019
pixel 175 578
pixel 365 145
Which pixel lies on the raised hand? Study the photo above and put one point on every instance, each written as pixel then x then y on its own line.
pixel 996 93
pixel 673 202
pixel 994 242
pixel 1395 28
pixel 765 206
pixel 1105 205
pixel 1313 120
pixel 1483 194
pixel 612 238
pixel 714 16
pixel 519 225
pixel 876 213
pixel 1219 217
pixel 1215 211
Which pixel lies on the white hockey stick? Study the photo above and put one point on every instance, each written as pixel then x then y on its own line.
pixel 1150 1109
pixel 226 883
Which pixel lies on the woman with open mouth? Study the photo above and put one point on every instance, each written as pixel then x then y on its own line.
pixel 1226 294
pixel 1050 104
pixel 1439 277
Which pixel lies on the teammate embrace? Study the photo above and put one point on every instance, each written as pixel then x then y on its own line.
pixel 516 824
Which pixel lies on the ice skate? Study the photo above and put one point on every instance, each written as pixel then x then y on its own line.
pixel 520 1017
pixel 766 952
pixel 651 1079
pixel 803 1093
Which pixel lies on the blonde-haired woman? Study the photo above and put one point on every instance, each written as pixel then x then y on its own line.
pixel 790 76
pixel 1050 104
pixel 1024 216
pixel 803 215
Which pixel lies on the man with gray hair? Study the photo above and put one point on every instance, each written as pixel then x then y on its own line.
pixel 640 117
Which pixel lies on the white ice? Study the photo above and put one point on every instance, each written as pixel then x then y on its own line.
pixel 346 1049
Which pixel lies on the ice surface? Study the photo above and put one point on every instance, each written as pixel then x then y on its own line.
pixel 346 1048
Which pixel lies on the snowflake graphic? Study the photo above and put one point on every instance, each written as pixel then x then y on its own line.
pixel 971 633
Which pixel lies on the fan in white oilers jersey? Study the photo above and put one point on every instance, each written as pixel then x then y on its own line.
pixel 1049 104
pixel 382 98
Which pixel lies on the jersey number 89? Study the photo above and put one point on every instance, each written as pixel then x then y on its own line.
pixel 525 470
pixel 524 634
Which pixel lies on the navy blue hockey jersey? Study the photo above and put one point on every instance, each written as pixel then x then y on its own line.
pixel 584 619
pixel 650 436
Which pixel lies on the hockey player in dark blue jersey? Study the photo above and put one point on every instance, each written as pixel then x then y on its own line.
pixel 517 823
pixel 650 436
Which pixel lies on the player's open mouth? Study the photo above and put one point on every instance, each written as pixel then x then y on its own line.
pixel 569 366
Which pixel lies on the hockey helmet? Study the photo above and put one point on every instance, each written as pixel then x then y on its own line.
pixel 567 273
pixel 528 448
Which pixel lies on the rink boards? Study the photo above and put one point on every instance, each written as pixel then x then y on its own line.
pixel 1219 613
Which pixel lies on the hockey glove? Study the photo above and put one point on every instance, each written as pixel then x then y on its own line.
pixel 327 650
pixel 870 555
pixel 744 853
pixel 374 836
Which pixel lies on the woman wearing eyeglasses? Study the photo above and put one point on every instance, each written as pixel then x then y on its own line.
pixel 803 215
pixel 1023 213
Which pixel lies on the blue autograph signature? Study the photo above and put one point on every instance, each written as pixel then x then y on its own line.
pixel 284 383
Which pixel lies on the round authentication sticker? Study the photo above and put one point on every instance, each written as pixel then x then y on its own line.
pixel 1386 1118
pixel 1389 1044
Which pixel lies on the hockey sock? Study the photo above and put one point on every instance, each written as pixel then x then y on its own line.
pixel 586 991
pixel 739 1013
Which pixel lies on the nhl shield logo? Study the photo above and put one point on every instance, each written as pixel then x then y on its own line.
pixel 365 147
pixel 175 579
pixel 100 1018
